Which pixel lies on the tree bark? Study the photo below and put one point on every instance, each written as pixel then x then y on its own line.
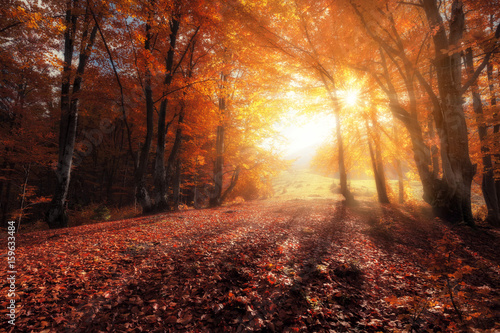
pixel 176 184
pixel 173 163
pixel 453 201
pixel 332 92
pixel 160 177
pixel 349 198
pixel 344 190
pixel 377 166
pixel 421 152
pixel 232 184
pixel 56 216
pixel 160 181
pixel 434 148
pixel 382 188
pixel 216 195
pixel 399 169
pixel 141 192
pixel 496 128
pixel 401 186
pixel 449 196
pixel 488 187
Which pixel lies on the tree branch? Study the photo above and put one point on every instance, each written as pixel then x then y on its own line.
pixel 483 64
pixel 122 99
pixel 10 26
pixel 234 180
pixel 180 88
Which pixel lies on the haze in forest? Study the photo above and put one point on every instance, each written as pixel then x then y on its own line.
pixel 166 104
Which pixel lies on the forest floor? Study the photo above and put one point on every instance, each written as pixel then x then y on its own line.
pixel 287 265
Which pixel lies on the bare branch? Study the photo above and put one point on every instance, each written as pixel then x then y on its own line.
pixel 122 100
pixel 483 64
pixel 180 88
pixel 10 26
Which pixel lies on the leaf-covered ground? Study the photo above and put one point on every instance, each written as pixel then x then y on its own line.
pixel 275 266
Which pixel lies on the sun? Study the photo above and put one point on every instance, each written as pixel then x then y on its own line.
pixel 351 97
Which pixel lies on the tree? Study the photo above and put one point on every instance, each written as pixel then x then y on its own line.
pixel 450 195
pixel 25 98
pixel 160 176
pixel 373 138
pixel 488 180
pixel 70 88
pixel 216 196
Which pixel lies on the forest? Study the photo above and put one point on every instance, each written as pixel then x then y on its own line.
pixel 147 178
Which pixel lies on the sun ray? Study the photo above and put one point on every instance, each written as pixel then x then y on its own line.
pixel 351 98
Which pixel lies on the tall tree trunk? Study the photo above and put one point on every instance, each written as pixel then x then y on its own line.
pixel 141 192
pixel 160 178
pixel 488 183
pixel 434 150
pixel 332 92
pixel 160 181
pixel 349 198
pixel 421 152
pixel 176 184
pixel 449 196
pixel 496 128
pixel 490 186
pixel 401 186
pixel 383 197
pixel 215 196
pixel 453 201
pixel 430 124
pixel 174 160
pixel 377 165
pixel 399 169
pixel 173 163
pixel 382 182
pixel 56 216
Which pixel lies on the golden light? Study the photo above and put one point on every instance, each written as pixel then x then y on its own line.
pixel 307 132
pixel 351 98
pixel 310 120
